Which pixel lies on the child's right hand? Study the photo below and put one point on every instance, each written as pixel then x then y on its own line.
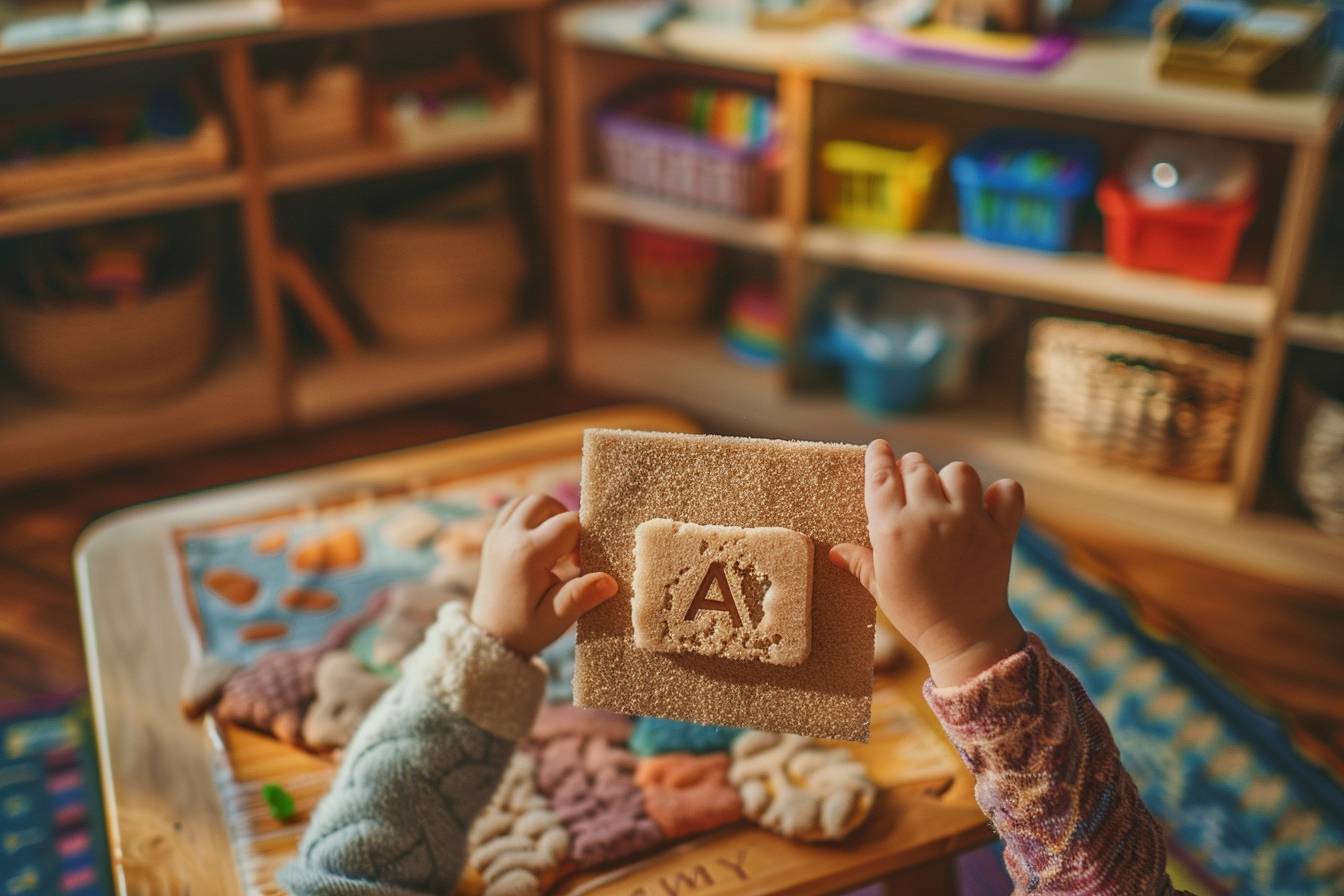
pixel 518 599
pixel 939 562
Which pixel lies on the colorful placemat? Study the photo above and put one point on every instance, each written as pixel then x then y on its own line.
pixel 52 838
pixel 1236 796
pixel 283 580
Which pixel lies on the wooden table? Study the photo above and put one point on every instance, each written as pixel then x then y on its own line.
pixel 168 829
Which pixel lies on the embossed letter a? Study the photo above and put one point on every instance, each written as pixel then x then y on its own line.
pixel 716 577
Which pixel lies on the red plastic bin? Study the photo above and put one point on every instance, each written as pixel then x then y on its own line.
pixel 1197 240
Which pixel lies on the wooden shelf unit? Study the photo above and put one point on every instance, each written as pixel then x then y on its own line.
pixel 263 386
pixel 1106 83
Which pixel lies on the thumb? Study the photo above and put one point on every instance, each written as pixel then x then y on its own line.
pixel 858 561
pixel 577 596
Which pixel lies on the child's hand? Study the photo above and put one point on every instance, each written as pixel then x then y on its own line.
pixel 939 561
pixel 519 600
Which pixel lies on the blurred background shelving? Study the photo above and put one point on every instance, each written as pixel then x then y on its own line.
pixel 1102 90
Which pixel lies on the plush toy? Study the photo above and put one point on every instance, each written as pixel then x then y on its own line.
pixel 344 692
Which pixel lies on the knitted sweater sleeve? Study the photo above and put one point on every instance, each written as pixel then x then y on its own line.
pixel 1048 775
pixel 421 767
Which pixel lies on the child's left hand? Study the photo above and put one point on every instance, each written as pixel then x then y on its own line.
pixel 519 600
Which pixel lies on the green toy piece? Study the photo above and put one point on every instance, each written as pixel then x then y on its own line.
pixel 279 801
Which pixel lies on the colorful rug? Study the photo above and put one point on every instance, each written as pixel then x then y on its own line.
pixel 1239 801
pixel 52 839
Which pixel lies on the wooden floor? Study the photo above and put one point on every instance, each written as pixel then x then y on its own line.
pixel 1279 645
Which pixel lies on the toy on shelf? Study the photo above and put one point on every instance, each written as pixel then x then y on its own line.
pixel 1314 453
pixel 671 276
pixel 1024 187
pixel 109 313
pixel 880 174
pixel 988 34
pixel 705 146
pixel 316 111
pixel 469 97
pixel 1180 206
pixel 901 344
pixel 1231 43
pixel 114 144
pixel 1131 398
pixel 443 272
pixel 755 328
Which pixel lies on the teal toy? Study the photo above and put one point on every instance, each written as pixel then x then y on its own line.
pixel 653 737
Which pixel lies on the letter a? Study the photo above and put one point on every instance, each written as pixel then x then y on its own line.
pixel 714 577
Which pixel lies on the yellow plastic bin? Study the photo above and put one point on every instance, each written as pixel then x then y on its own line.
pixel 880 174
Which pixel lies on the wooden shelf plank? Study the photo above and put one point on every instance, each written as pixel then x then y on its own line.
pixel 694 372
pixel 300 22
pixel 333 388
pixel 1080 280
pixel 1102 78
pixel 614 204
pixel 297 23
pixel 476 140
pixel 1314 329
pixel 233 399
pixel 142 200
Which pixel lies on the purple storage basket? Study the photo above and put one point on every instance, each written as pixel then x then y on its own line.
pixel 649 154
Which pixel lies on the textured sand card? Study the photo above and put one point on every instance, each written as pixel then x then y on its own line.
pixel 813 489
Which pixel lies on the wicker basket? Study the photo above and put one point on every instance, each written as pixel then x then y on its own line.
pixel 320 114
pixel 1316 455
pixel 671 276
pixel 645 150
pixel 112 353
pixel 204 151
pixel 424 280
pixel 1132 398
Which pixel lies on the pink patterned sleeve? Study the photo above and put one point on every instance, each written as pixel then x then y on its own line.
pixel 1049 777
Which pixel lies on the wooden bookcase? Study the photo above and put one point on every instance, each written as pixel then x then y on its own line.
pixel 260 382
pixel 1105 88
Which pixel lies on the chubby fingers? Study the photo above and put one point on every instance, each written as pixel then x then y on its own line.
pixel 1005 503
pixel 556 536
pixel 858 560
pixel 922 485
pixel 563 604
pixel 961 484
pixel 882 488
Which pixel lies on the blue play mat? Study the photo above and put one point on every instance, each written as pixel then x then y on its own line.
pixel 1226 781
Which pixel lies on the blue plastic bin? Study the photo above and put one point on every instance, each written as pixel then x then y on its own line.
pixel 1023 187
pixel 889 355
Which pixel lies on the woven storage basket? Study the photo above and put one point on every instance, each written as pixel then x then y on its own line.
pixel 320 114
pixel 645 151
pixel 107 352
pixel 1316 455
pixel 671 276
pixel 1132 398
pixel 426 281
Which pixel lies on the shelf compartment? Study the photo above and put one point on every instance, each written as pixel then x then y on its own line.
pixel 694 372
pixel 1313 329
pixel 236 397
pixel 614 204
pixel 1079 280
pixel 1101 78
pixel 333 388
pixel 126 203
pixel 476 141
